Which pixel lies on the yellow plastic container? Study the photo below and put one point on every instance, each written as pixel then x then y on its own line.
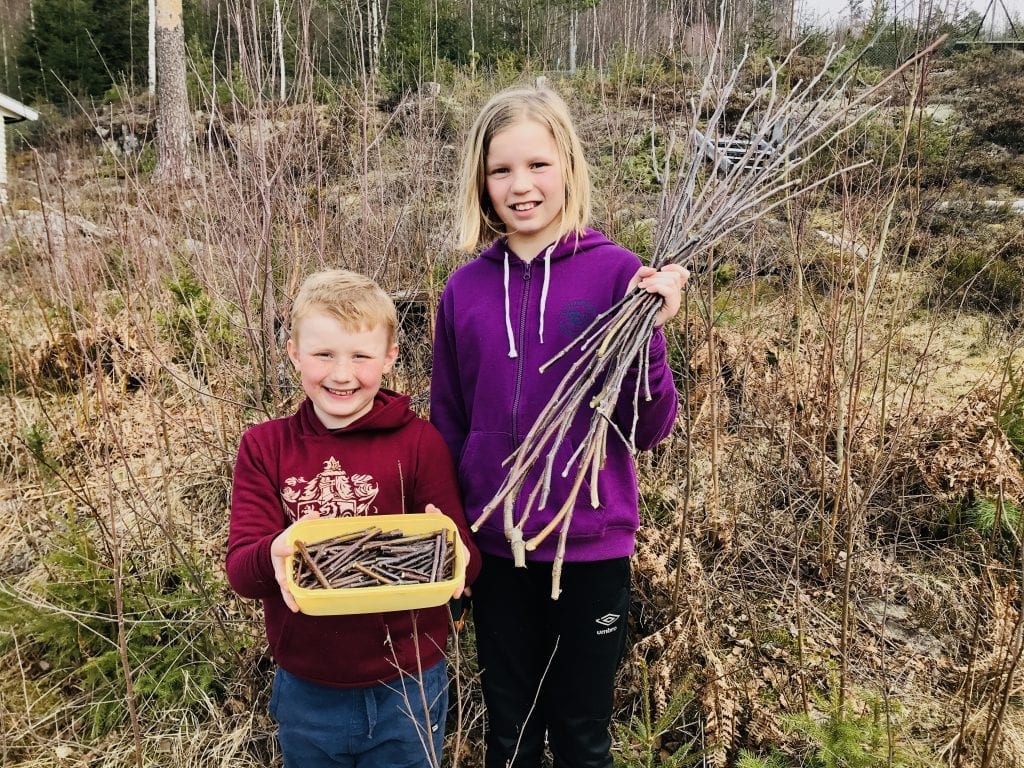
pixel 377 599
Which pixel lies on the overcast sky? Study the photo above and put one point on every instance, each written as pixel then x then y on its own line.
pixel 827 12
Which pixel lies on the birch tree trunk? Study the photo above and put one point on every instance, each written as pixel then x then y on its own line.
pixel 671 27
pixel 472 41
pixel 3 163
pixel 151 39
pixel 376 35
pixel 174 129
pixel 574 17
pixel 642 16
pixel 303 69
pixel 279 44
pixel 367 34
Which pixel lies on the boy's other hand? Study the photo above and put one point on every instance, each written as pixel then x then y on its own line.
pixel 460 587
pixel 279 550
pixel 668 282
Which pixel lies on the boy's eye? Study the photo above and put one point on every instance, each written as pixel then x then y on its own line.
pixel 539 164
pixel 498 171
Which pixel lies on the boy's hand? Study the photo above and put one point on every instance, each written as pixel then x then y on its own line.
pixel 669 282
pixel 279 550
pixel 461 586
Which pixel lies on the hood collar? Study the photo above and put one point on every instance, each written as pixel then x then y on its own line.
pixel 390 410
pixel 543 300
pixel 559 249
pixel 563 248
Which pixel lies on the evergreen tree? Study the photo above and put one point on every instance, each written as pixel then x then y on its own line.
pixel 418 35
pixel 511 28
pixel 121 34
pixel 764 32
pixel 79 48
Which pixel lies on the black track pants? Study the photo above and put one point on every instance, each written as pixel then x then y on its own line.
pixel 573 644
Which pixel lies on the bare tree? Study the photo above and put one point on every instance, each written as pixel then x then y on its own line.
pixel 472 40
pixel 174 128
pixel 151 72
pixel 279 45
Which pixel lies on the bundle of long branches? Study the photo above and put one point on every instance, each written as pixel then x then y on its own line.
pixel 729 178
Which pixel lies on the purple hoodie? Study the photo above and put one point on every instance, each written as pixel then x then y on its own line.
pixel 499 320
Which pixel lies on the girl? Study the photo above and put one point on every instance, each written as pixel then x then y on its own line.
pixel 548 666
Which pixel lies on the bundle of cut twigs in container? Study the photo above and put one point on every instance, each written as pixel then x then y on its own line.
pixel 371 558
pixel 728 179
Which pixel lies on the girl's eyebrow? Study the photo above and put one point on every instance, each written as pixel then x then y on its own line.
pixel 533 157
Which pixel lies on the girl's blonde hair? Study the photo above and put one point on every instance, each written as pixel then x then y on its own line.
pixel 354 300
pixel 478 222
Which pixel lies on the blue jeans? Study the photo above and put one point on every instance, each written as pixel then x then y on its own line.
pixel 382 726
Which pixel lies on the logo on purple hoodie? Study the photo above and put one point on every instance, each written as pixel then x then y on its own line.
pixel 575 316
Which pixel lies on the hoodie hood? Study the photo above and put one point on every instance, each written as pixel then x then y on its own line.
pixel 567 246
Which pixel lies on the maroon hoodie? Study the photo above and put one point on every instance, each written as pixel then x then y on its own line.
pixel 389 461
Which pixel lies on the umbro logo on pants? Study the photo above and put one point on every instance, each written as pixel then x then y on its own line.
pixel 608 622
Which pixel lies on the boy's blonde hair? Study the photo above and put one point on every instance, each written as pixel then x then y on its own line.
pixel 478 222
pixel 354 300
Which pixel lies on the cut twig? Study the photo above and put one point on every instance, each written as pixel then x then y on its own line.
pixel 304 554
pixel 372 557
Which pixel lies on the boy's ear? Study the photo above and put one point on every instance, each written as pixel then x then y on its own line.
pixel 293 353
pixel 389 358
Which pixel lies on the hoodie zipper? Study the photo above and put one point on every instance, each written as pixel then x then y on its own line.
pixel 521 360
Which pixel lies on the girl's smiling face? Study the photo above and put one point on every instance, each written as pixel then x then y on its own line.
pixel 340 369
pixel 526 185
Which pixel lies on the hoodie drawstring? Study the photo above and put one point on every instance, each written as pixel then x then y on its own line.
pixel 543 301
pixel 544 289
pixel 508 315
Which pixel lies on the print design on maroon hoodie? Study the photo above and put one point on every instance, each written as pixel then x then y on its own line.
pixel 332 493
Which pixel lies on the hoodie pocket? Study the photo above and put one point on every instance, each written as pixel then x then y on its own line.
pixel 481 474
pixel 586 521
pixel 331 649
pixel 480 469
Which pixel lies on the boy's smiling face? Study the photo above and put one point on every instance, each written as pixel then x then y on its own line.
pixel 340 369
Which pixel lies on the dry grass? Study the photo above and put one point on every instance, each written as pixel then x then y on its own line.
pixel 820 544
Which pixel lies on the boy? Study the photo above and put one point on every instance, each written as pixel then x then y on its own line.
pixel 348 689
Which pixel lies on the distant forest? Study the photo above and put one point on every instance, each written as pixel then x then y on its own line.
pixel 63 51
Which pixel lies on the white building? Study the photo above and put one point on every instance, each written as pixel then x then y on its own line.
pixel 12 112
